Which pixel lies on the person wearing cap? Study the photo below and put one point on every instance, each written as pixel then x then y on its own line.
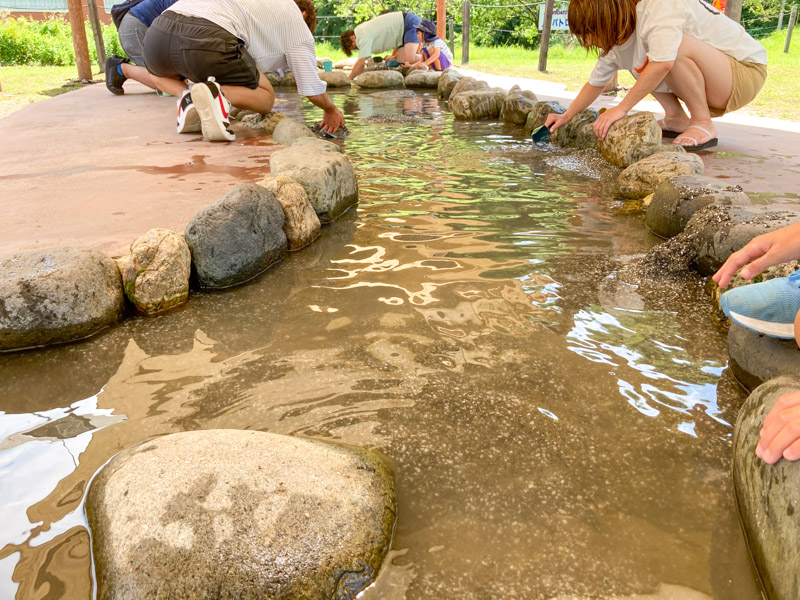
pixel 395 31
pixel 435 53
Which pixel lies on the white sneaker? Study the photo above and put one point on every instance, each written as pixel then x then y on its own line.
pixel 213 109
pixel 188 119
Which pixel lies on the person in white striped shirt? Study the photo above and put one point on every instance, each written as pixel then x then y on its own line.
pixel 225 47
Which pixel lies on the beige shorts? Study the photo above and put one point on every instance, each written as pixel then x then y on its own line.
pixel 748 78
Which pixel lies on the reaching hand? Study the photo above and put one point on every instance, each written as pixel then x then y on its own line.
pixel 764 251
pixel 780 435
pixel 332 119
pixel 554 121
pixel 606 120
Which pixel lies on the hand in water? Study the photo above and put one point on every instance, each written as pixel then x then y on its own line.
pixel 554 121
pixel 780 435
pixel 761 252
pixel 332 119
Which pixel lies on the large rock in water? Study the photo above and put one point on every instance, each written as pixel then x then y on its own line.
pixel 642 178
pixel 239 514
pixel 287 131
pixel 327 177
pixel 466 84
pixel 301 224
pixel 757 358
pixel 423 79
pixel 625 135
pixel 732 228
pixel 517 105
pixel 677 199
pixel 646 149
pixel 537 117
pixel 336 78
pixel 579 132
pixel 447 82
pixel 237 237
pixel 380 79
pixel 287 80
pixel 476 105
pixel 57 295
pixel 768 496
pixel 155 273
pixel 265 122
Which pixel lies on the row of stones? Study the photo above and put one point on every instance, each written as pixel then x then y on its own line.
pixel 59 295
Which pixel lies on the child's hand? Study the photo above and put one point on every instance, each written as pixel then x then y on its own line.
pixel 764 251
pixel 780 435
pixel 606 120
pixel 554 121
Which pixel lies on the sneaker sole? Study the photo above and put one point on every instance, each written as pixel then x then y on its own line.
pixel 191 122
pixel 213 129
pixel 783 331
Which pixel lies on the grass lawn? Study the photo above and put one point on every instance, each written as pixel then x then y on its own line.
pixel 780 97
pixel 23 85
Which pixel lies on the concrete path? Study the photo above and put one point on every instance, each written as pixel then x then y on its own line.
pixel 90 168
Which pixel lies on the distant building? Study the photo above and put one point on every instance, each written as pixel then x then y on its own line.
pixel 41 9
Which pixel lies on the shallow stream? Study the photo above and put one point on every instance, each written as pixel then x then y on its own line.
pixel 554 433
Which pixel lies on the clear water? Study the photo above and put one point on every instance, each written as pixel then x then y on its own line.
pixel 553 431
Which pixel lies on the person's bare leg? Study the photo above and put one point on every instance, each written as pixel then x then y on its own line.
pixel 408 53
pixel 675 118
pixel 138 73
pixel 797 330
pixel 173 87
pixel 261 99
pixel 701 76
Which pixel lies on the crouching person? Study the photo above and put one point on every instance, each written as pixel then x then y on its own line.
pixel 225 46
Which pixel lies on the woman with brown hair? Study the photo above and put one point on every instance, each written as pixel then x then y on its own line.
pixel 678 50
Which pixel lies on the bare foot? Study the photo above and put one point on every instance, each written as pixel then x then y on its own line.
pixel 678 123
pixel 697 137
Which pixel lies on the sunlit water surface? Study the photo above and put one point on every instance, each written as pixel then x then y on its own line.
pixel 552 432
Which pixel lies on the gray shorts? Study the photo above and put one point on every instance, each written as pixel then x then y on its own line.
pixel 131 38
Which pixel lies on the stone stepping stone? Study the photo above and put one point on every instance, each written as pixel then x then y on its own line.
pixel 475 105
pixel 517 105
pixel 239 514
pixel 380 79
pixel 756 358
pixel 625 135
pixel 423 79
pixel 327 177
pixel 447 82
pixel 768 496
pixel 57 295
pixel 642 178
pixel 155 273
pixel 677 199
pixel 237 237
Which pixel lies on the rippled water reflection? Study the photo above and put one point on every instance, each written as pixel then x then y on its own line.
pixel 553 432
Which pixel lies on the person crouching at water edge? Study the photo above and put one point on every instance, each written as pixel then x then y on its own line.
pixel 396 31
pixel 677 50
pixel 435 53
pixel 225 47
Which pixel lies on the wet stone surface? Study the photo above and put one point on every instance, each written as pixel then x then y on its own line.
pixel 756 359
pixel 768 494
pixel 239 514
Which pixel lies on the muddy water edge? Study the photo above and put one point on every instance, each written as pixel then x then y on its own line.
pixel 553 430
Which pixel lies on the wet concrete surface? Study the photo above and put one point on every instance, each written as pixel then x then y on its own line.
pixel 90 168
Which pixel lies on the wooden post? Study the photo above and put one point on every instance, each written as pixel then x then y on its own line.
pixel 544 45
pixel 733 8
pixel 792 19
pixel 441 19
pixel 780 16
pixel 465 33
pixel 451 34
pixel 79 43
pixel 97 30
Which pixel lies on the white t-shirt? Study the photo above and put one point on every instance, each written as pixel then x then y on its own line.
pixel 660 27
pixel 274 33
pixel 443 48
